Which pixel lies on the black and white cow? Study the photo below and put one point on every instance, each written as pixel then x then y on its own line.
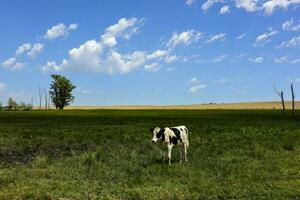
pixel 172 136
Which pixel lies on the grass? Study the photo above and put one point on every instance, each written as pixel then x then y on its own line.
pixel 108 154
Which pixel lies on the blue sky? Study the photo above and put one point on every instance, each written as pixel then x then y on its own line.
pixel 151 52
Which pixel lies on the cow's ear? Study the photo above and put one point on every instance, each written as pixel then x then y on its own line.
pixel 152 129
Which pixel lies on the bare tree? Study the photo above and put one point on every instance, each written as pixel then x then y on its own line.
pixel 40 96
pixel 31 101
pixel 49 100
pixel 281 97
pixel 293 98
pixel 46 98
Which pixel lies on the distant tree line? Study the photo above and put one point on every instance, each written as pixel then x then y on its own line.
pixel 59 94
pixel 13 105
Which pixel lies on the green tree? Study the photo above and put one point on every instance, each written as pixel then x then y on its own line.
pixel 61 91
pixel 12 104
pixel 1 105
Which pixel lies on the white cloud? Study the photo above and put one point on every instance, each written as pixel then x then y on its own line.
pixel 248 5
pixel 264 38
pixel 2 86
pixel 271 5
pixel 193 80
pixel 223 81
pixel 153 67
pixel 31 49
pixel 36 48
pixel 291 26
pixel 170 58
pixel 195 89
pixel 23 48
pixel 12 65
pixel 296 61
pixel 293 42
pixel 125 28
pixel 157 54
pixel 190 2
pixel 186 38
pixel 257 60
pixel 241 36
pixel 282 59
pixel 50 66
pixel 209 3
pixel 224 9
pixel 9 62
pixel 218 58
pixel 266 6
pixel 59 30
pixel 218 37
pixel 103 56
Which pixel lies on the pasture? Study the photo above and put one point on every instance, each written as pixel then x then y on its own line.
pixel 108 154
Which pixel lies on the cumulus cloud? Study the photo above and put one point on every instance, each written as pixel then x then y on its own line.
pixel 36 48
pixel 241 36
pixel 170 58
pixel 282 59
pixel 296 61
pixel 190 2
pixel 157 54
pixel 193 80
pixel 248 5
pixel 224 9
pixel 209 3
pixel 102 55
pixel 223 81
pixel 265 6
pixel 153 67
pixel 218 58
pixel 290 25
pixel 59 30
pixel 217 37
pixel 23 48
pixel 187 37
pixel 125 28
pixel 293 42
pixel 257 60
pixel 31 49
pixel 270 5
pixel 12 64
pixel 2 86
pixel 264 38
pixel 195 89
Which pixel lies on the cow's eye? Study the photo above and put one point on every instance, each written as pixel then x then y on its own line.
pixel 158 135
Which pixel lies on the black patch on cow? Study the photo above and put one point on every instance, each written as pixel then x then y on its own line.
pixel 177 133
pixel 173 140
pixel 160 133
pixel 163 137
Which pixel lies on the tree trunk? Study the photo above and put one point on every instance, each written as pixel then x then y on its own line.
pixel 282 101
pixel 40 96
pixel 293 99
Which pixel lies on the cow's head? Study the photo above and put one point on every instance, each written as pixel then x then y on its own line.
pixel 158 134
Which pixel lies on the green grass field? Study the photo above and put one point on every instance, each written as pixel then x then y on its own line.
pixel 108 154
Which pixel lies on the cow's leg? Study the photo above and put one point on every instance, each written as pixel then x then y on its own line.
pixel 181 154
pixel 185 152
pixel 162 153
pixel 169 153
